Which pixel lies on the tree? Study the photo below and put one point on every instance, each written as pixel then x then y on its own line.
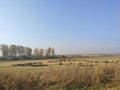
pixel 41 52
pixel 12 50
pixel 28 51
pixel 21 51
pixel 36 53
pixel 5 50
pixel 18 50
pixel 53 52
pixel 48 52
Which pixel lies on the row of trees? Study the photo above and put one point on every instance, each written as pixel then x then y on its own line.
pixel 21 52
pixel 49 52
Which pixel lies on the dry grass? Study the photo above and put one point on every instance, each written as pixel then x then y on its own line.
pixel 68 77
pixel 62 77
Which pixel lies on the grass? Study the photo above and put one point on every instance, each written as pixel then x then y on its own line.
pixel 103 76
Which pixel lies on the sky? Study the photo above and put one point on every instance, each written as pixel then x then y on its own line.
pixel 70 26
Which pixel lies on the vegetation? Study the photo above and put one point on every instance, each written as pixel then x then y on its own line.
pixel 14 52
pixel 83 73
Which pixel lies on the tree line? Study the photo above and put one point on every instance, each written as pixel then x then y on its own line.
pixel 14 52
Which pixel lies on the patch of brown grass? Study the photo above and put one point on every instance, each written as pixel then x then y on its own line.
pixel 71 76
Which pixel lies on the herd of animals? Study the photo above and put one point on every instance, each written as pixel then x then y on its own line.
pixel 67 61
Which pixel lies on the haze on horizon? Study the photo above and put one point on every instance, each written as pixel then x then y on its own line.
pixel 70 26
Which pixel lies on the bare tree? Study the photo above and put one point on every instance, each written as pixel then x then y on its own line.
pixel 36 53
pixel 5 50
pixel 53 52
pixel 21 51
pixel 18 50
pixel 48 52
pixel 41 52
pixel 12 50
pixel 28 51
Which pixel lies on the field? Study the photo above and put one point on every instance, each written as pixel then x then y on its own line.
pixel 78 73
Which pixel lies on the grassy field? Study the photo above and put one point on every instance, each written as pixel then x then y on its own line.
pixel 83 73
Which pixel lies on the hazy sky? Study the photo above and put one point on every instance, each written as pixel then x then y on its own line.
pixel 70 26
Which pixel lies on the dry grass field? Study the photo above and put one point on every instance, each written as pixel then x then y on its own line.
pixel 83 73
